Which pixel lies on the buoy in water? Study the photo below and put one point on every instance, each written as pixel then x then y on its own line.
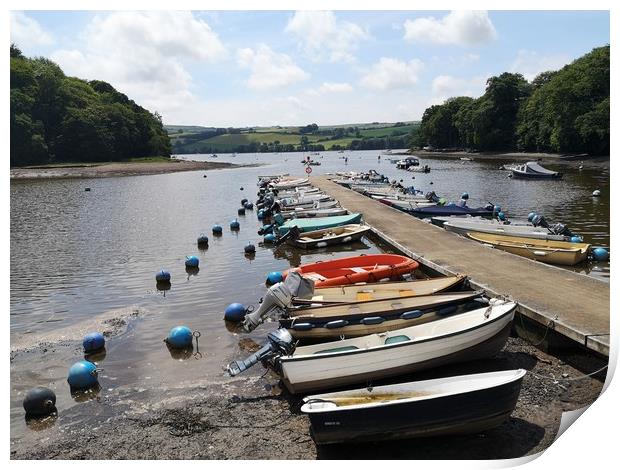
pixel 235 312
pixel 241 211
pixel 203 239
pixel 39 402
pixel 274 277
pixel 93 342
pixel 162 276
pixel 243 201
pixel 465 196
pixel 260 214
pixel 531 216
pixel 249 248
pixel 217 229
pixel 241 188
pixel 600 254
pixel 269 238
pixel 249 205
pixel 596 193
pixel 192 261
pixel 576 239
pixel 501 215
pixel 82 374
pixel 86 189
pixel 179 337
pixel 234 224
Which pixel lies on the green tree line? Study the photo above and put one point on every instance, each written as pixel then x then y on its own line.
pixel 55 118
pixel 565 111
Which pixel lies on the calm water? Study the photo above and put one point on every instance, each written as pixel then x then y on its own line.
pixel 77 254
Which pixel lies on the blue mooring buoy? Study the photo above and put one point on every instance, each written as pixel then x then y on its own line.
pixel 576 239
pixel 260 214
pixel 217 229
pixel 274 277
pixel 249 248
pixel 249 205
pixel 243 201
pixel 497 209
pixel 269 238
pixel 162 276
pixel 82 374
pixel 180 337
pixel 241 211
pixel 235 312
pixel 465 196
pixel 600 254
pixel 531 216
pixel 192 261
pixel 501 215
pixel 203 239
pixel 93 342
pixel 39 402
pixel 234 224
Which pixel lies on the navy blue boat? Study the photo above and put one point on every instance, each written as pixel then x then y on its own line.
pixel 432 211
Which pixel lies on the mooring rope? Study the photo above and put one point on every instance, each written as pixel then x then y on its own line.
pixel 550 324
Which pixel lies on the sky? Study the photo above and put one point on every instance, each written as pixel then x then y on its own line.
pixel 263 68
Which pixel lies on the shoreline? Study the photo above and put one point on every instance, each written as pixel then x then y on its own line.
pixel 521 156
pixel 107 170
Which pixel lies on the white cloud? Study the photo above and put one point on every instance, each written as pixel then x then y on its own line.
pixel 447 86
pixel 323 37
pixel 530 63
pixel 329 87
pixel 26 32
pixel 269 69
pixel 142 53
pixel 390 74
pixel 463 28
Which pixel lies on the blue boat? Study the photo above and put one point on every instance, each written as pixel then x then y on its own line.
pixel 319 223
pixel 432 211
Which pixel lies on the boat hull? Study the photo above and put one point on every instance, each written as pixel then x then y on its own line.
pixel 449 210
pixel 462 228
pixel 319 223
pixel 458 413
pixel 310 240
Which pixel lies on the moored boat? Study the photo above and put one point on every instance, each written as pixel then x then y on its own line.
pixel 496 227
pixel 546 251
pixel 381 290
pixel 450 210
pixel 329 236
pixel 318 223
pixel 446 406
pixel 468 336
pixel 312 212
pixel 353 269
pixel 533 170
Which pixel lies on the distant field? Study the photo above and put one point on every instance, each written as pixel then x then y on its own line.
pixel 387 131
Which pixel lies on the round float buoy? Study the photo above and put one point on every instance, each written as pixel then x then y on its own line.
pixel 465 196
pixel 203 239
pixel 192 261
pixel 600 254
pixel 86 189
pixel 531 216
pixel 596 193
pixel 248 205
pixel 82 374
pixel 497 209
pixel 269 238
pixel 249 248
pixel 260 214
pixel 217 229
pixel 179 337
pixel 241 188
pixel 235 312
pixel 243 201
pixel 204 176
pixel 93 342
pixel 241 211
pixel 234 224
pixel 162 276
pixel 576 239
pixel 501 215
pixel 39 402
pixel 274 277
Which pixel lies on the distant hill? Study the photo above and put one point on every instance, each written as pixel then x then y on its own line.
pixel 199 139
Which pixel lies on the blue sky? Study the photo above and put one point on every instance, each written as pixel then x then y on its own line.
pixel 285 67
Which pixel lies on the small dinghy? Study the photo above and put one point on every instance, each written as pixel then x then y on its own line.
pixel 312 212
pixel 451 210
pixel 288 183
pixel 468 336
pixel 318 223
pixel 364 318
pixel 533 170
pixel 328 236
pixel 464 404
pixel 381 291
pixel 546 251
pixel 405 205
pixel 354 269
pixel 496 227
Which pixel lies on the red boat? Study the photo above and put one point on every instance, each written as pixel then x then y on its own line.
pixel 354 269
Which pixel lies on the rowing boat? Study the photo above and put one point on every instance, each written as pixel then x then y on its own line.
pixel 318 223
pixel 546 251
pixel 495 227
pixel 381 290
pixel 329 236
pixel 354 269
pixel 463 404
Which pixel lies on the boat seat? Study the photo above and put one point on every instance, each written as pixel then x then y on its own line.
pixel 341 349
pixel 364 296
pixel 397 339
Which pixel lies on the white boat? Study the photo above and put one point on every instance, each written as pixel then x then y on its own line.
pixel 467 336
pixel 406 203
pixel 533 170
pixel 290 183
pixel 463 404
pixel 495 227
pixel 312 212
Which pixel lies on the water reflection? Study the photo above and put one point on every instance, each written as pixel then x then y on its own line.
pixel 40 424
pixel 92 393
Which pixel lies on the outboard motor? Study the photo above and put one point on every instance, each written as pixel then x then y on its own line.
pixel 280 343
pixel 278 298
pixel 560 229
pixel 431 196
pixel 539 221
pixel 292 234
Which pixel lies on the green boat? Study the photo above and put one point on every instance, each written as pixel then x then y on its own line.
pixel 318 223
